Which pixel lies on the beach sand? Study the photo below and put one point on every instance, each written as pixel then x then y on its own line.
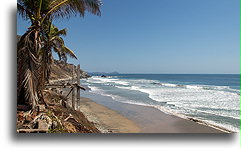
pixel 110 115
pixel 105 119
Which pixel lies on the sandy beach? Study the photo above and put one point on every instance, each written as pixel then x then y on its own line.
pixel 105 119
pixel 110 115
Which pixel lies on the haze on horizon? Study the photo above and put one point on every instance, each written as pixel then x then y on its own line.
pixel 161 36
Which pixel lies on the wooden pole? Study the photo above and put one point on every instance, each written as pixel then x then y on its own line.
pixel 73 91
pixel 78 89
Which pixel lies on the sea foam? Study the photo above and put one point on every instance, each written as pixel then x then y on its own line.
pixel 183 100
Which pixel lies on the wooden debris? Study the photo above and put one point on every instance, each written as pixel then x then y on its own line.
pixel 32 131
pixel 70 116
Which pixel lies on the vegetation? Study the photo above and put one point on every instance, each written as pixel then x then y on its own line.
pixel 54 42
pixel 34 49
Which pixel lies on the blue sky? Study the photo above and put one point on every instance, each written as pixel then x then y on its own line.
pixel 156 36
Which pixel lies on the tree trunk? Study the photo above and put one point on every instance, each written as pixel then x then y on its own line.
pixel 78 89
pixel 73 91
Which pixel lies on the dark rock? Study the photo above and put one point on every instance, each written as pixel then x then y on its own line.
pixel 103 76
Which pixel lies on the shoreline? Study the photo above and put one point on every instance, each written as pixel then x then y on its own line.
pixel 111 116
pixel 150 119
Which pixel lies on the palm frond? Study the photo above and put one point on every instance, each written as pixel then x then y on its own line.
pixel 57 41
pixel 29 86
pixel 69 52
pixel 23 12
pixel 30 74
pixel 68 8
pixel 62 32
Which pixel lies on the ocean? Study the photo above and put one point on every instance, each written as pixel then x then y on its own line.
pixel 210 98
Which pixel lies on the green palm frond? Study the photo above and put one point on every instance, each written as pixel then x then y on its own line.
pixel 56 41
pixel 42 9
pixel 54 31
pixel 69 52
pixel 68 8
pixel 62 32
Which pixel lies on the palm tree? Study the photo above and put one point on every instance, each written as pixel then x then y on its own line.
pixel 41 12
pixel 54 41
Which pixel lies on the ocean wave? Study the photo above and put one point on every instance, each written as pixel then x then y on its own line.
pixel 106 80
pixel 193 100
pixel 220 126
pixel 210 111
pixel 204 87
pixel 145 82
pixel 180 99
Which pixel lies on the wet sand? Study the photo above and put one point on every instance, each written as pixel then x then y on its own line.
pixel 126 118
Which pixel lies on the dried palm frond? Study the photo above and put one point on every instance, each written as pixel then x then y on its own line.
pixel 30 74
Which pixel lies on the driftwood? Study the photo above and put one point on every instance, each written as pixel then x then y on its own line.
pixel 75 87
pixel 66 85
pixel 76 124
pixel 32 130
